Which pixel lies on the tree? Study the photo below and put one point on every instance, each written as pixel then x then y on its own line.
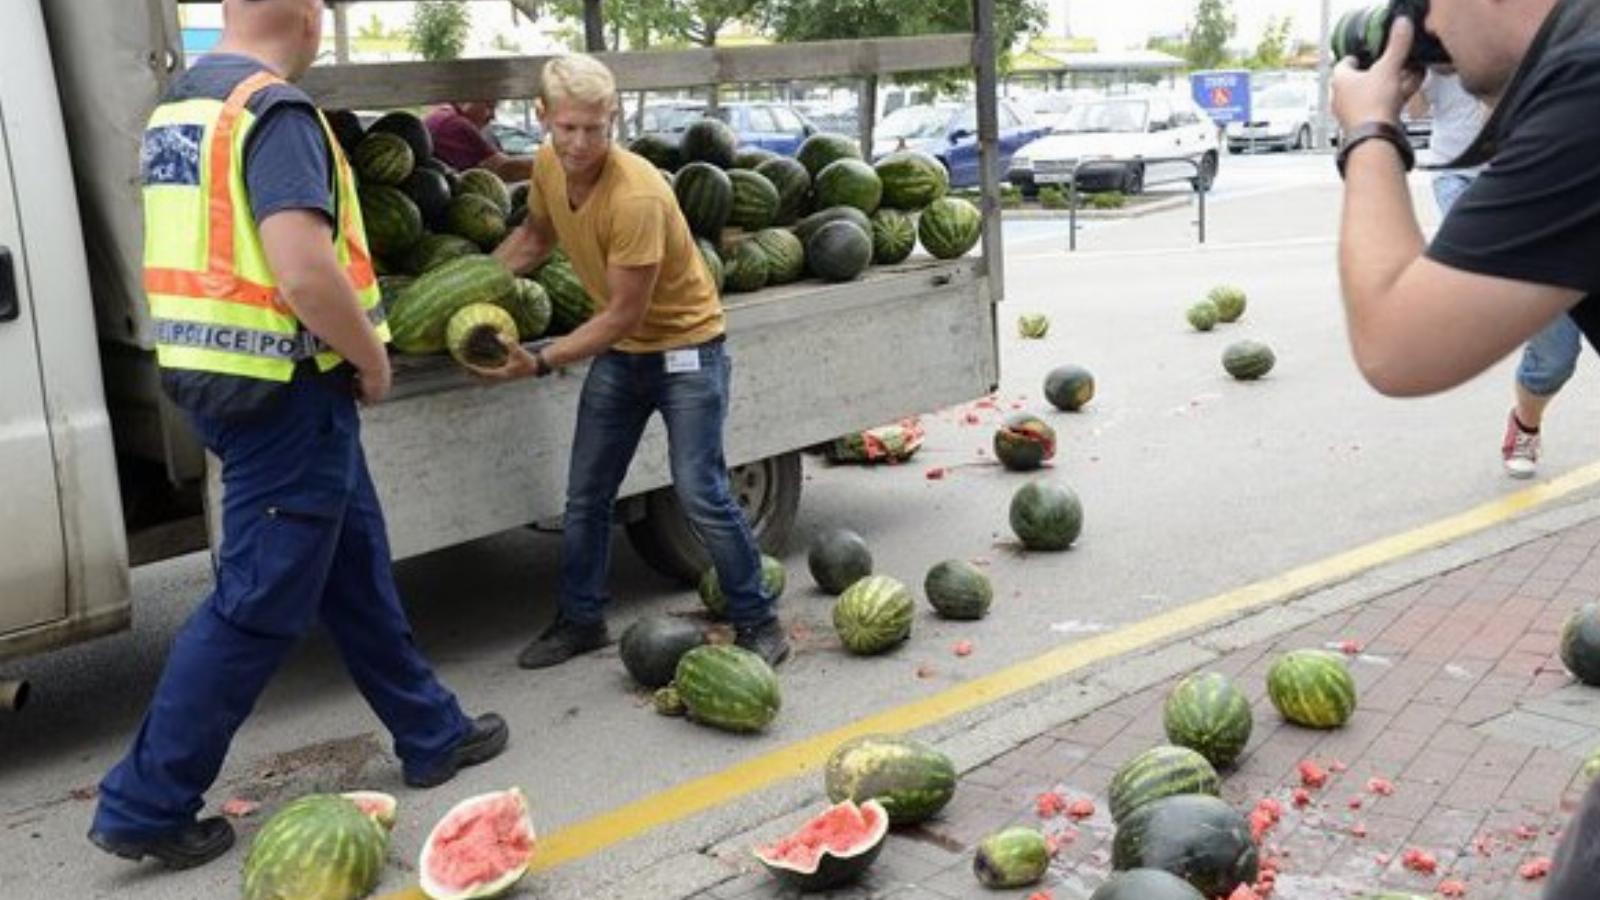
pixel 638 23
pixel 1213 26
pixel 1273 50
pixel 439 28
pixel 817 20
pixel 707 18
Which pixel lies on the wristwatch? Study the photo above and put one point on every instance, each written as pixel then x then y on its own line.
pixel 1376 130
pixel 541 368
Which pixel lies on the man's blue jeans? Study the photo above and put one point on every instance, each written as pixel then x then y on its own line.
pixel 620 393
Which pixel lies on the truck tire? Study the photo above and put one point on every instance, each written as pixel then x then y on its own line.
pixel 767 490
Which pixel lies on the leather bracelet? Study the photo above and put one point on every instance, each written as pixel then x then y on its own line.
pixel 1376 130
pixel 541 367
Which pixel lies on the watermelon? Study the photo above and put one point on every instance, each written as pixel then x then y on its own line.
pixel 318 847
pixel 422 311
pixel 957 589
pixel 818 150
pixel 1202 316
pixel 1012 858
pixel 1580 644
pixel 912 780
pixel 1248 360
pixel 434 250
pixel 774 578
pixel 848 182
pixel 1229 301
pixel 409 128
pixel 894 236
pixel 793 184
pixel 744 268
pixel 376 805
pixel 1160 772
pixel 830 850
pixel 451 176
pixel 1208 714
pixel 873 615
pixel 481 848
pixel 813 223
pixel 392 221
pixel 713 261
pixel 1196 837
pixel 661 153
pixel 728 687
pixel 668 702
pixel 430 191
pixel 949 227
pixel 1312 688
pixel 786 256
pixel 475 335
pixel 570 304
pixel 705 194
pixel 519 193
pixel 346 127
pixel 1024 442
pixel 755 200
pixel 1590 770
pixel 837 559
pixel 477 218
pixel 1145 884
pixel 709 140
pixel 1033 326
pixel 652 646
pixel 912 179
pixel 383 158
pixel 1069 388
pixel 529 305
pixel 1046 516
pixel 839 251
pixel 488 185
pixel 389 288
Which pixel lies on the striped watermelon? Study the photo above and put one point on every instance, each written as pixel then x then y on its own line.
pixel 949 227
pixel 1312 688
pixel 810 224
pixel 912 179
pixel 478 219
pixel 1013 857
pixel 1149 884
pixel 755 200
pixel 1207 714
pixel 744 268
pixel 434 250
pixel 774 578
pixel 570 304
pixel 409 127
pixel 1248 360
pixel 713 261
pixel 818 150
pixel 389 288
pixel 1194 836
pixel 848 182
pixel 487 184
pixel 894 236
pixel 1580 644
pixel 873 615
pixel 529 305
pixel 958 589
pixel 475 333
pixel 728 687
pixel 752 157
pixel 705 194
pixel 422 311
pixel 839 251
pixel 912 780
pixel 319 847
pixel 786 256
pixel 383 158
pixel 1046 516
pixel 793 183
pixel 663 154
pixel 1160 772
pixel 393 222
pixel 709 140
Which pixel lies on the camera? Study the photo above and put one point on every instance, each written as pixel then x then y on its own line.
pixel 1364 33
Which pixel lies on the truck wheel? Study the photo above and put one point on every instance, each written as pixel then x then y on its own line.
pixel 767 490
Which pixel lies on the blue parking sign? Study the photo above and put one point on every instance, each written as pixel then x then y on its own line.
pixel 1224 95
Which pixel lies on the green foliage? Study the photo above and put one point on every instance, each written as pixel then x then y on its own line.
pixel 1051 196
pixel 1010 196
pixel 639 23
pixel 1213 26
pixel 1108 200
pixel 1273 49
pixel 439 29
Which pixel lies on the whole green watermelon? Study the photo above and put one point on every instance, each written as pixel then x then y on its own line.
pixel 1011 858
pixel 813 223
pixel 752 157
pixel 662 153
pixel 1069 388
pixel 393 223
pixel 912 179
pixel 1197 837
pixel 744 268
pixel 793 183
pixel 755 200
pixel 434 250
pixel 651 648
pixel 1146 884
pixel 873 615
pixel 570 304
pixel 949 227
pixel 319 847
pixel 1159 772
pixel 839 251
pixel 1580 644
pixel 1046 516
pixel 1229 301
pixel 705 194
pixel 848 182
pixel 478 219
pixel 1312 688
pixel 912 780
pixel 1202 316
pixel 422 311
pixel 1208 714
pixel 1248 360
pixel 713 261
pixel 894 236
pixel 709 140
pixel 958 589
pixel 728 687
pixel 430 191
pixel 774 578
pixel 488 185
pixel 786 256
pixel 818 150
pixel 837 559
pixel 383 158
pixel 530 308
pixel 409 127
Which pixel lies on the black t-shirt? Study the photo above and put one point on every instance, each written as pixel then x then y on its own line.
pixel 1534 214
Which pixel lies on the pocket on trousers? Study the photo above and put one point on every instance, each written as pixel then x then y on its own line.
pixel 293 548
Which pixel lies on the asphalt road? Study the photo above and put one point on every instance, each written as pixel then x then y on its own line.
pixel 1192 484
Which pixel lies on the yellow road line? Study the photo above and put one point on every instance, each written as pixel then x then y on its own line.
pixel 689 798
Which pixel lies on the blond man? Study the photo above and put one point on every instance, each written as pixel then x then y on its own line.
pixel 655 345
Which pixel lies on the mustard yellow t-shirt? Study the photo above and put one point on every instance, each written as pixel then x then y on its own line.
pixel 631 218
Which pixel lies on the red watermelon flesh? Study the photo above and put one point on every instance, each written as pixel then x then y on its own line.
pixel 832 849
pixel 480 847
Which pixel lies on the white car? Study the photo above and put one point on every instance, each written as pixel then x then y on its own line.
pixel 1281 118
pixel 1123 144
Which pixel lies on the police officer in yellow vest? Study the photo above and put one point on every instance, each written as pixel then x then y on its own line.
pixel 268 331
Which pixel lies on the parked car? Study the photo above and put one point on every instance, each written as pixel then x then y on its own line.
pixel 1282 117
pixel 512 139
pixel 947 132
pixel 1050 108
pixel 833 118
pixel 771 126
pixel 1123 144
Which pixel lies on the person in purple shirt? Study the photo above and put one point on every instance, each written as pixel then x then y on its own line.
pixel 458 139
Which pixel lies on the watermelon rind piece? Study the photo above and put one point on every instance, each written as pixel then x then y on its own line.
pixel 512 824
pixel 383 808
pixel 1024 442
pixel 833 866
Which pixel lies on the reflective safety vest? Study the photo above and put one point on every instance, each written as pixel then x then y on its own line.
pixel 212 295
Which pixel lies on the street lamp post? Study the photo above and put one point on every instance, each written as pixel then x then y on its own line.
pixel 1324 64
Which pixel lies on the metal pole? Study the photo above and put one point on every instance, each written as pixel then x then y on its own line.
pixel 594 27
pixel 1323 73
pixel 341 33
pixel 983 49
pixel 867 111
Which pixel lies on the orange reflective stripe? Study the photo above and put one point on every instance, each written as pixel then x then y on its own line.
pixel 227 287
pixel 220 238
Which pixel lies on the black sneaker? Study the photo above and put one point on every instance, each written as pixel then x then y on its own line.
pixel 484 742
pixel 195 845
pixel 766 640
pixel 562 641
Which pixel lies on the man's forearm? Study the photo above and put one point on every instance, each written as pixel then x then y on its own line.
pixel 1379 236
pixel 592 338
pixel 524 250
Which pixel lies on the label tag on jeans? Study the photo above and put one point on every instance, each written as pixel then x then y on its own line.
pixel 683 360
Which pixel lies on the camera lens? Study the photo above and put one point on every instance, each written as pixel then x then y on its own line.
pixel 1364 33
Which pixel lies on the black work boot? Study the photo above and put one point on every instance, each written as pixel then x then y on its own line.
pixel 484 742
pixel 562 641
pixel 194 845
pixel 765 640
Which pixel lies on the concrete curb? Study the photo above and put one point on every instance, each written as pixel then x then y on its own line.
pixel 1089 215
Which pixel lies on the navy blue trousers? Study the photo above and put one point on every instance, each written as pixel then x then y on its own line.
pixel 303 540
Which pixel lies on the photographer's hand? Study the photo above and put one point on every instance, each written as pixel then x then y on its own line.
pixel 1379 93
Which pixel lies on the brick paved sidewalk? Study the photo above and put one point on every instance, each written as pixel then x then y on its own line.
pixel 1464 707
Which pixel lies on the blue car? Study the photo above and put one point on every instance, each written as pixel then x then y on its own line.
pixel 949 132
pixel 771 126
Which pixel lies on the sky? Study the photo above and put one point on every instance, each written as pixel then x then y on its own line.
pixel 1118 24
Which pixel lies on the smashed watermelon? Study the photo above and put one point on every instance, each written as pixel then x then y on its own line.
pixel 832 850
pixel 481 848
